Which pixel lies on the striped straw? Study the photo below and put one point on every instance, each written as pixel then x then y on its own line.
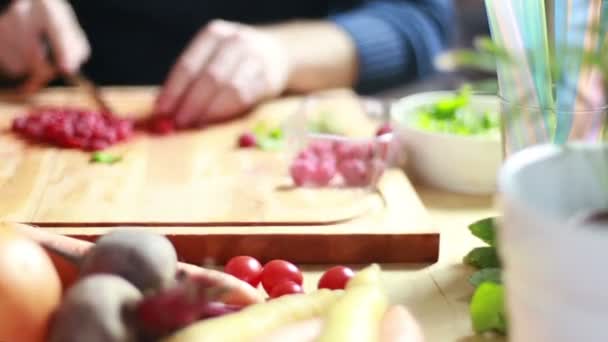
pixel 578 32
pixel 516 78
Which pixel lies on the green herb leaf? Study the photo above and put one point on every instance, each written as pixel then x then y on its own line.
pixel 485 230
pixel 104 158
pixel 487 274
pixel 269 144
pixel 482 257
pixel 268 138
pixel 487 308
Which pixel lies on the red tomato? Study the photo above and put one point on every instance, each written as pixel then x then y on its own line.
pixel 246 268
pixel 276 271
pixel 285 287
pixel 335 278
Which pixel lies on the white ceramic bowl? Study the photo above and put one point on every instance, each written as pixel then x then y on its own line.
pixel 463 164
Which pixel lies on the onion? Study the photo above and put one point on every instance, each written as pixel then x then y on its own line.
pixel 30 289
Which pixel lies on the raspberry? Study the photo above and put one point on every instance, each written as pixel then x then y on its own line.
pixel 354 150
pixel 384 129
pixel 247 140
pixel 325 171
pixel 355 172
pixel 321 148
pixel 302 171
pixel 307 154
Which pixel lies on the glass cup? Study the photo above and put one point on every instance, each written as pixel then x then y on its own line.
pixel 523 126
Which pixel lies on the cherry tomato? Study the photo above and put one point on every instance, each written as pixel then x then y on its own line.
pixel 285 287
pixel 335 278
pixel 276 271
pixel 246 268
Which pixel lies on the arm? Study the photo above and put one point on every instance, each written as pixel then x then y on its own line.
pixel 230 67
pixel 379 44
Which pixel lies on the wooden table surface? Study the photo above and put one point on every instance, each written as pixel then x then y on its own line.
pixel 438 294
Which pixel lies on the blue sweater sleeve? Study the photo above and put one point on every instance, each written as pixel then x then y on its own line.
pixel 396 41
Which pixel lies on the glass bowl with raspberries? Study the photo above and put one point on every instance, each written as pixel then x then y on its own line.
pixel 340 140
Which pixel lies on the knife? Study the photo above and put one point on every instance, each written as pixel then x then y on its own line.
pixel 80 80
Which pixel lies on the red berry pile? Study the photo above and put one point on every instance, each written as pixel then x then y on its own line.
pixel 73 128
pixel 357 163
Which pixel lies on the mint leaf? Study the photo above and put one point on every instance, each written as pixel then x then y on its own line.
pixel 104 158
pixel 269 144
pixel 486 275
pixel 485 230
pixel 482 257
pixel 487 308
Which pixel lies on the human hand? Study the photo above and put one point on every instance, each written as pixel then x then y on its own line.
pixel 226 69
pixel 24 29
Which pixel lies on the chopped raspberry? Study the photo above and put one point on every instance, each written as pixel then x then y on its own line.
pixel 355 172
pixel 98 144
pixel 247 140
pixel 162 125
pixel 19 124
pixel 73 128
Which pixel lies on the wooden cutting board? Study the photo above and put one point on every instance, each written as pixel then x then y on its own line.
pixel 213 200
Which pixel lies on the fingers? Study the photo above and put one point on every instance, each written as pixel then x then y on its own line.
pixel 68 41
pixel 15 32
pixel 188 67
pixel 210 81
pixel 241 93
pixel 225 70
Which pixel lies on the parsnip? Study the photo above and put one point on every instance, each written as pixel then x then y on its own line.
pixel 367 276
pixel 356 316
pixel 257 319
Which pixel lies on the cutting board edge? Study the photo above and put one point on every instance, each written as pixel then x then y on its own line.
pixel 306 248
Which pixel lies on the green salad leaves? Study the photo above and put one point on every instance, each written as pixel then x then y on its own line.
pixel 454 115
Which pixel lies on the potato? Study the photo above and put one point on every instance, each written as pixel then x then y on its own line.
pixel 258 319
pixel 357 315
pixel 147 260
pixel 93 310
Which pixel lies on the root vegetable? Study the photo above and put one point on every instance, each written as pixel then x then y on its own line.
pixel 257 319
pixel 30 288
pixel 174 308
pixel 147 260
pixel 238 292
pixel 95 310
pixel 302 331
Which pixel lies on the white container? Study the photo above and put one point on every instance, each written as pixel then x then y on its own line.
pixel 555 264
pixel 455 163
